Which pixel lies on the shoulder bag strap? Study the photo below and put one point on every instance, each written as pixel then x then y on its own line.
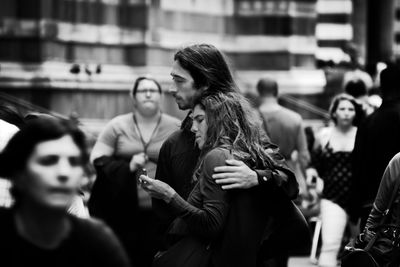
pixel 385 214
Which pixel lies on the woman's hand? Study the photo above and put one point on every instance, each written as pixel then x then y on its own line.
pixel 137 161
pixel 157 188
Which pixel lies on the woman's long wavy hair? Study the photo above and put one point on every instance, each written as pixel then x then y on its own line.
pixel 233 124
pixel 341 97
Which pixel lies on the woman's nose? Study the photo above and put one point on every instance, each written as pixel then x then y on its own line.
pixel 194 127
pixel 64 168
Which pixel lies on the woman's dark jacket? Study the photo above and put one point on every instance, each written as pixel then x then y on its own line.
pixel 283 226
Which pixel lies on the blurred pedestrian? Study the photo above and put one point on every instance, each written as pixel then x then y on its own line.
pixel 285 128
pixel 45 161
pixel 377 141
pixel 78 206
pixel 10 122
pixel 7 130
pixel 331 161
pixel 358 90
pixel 129 143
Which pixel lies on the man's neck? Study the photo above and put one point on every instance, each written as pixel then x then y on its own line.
pixel 269 104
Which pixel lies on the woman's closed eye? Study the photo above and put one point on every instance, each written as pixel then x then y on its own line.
pixel 198 119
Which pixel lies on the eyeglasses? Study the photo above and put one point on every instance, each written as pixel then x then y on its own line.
pixel 147 91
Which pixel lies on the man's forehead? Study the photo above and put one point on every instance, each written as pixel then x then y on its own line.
pixel 178 71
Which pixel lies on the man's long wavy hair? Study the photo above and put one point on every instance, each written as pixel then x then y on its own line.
pixel 208 67
pixel 232 124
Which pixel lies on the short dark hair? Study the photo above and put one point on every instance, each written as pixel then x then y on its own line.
pixel 15 155
pixel 141 78
pixel 390 80
pixel 356 88
pixel 207 66
pixel 267 87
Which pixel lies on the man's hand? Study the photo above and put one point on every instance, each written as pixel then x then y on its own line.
pixel 235 175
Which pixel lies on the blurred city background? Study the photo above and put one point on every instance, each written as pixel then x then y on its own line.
pixel 79 58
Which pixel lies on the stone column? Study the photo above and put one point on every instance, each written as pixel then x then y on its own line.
pixel 380 35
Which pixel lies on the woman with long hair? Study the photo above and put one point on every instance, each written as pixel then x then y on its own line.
pixel 331 161
pixel 45 162
pixel 223 228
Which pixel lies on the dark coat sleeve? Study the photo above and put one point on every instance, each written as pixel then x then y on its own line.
pixel 163 213
pixel 286 183
pixel 114 199
pixel 100 241
pixel 207 220
pixel 383 197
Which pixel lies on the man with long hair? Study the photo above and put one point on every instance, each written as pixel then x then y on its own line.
pixel 202 69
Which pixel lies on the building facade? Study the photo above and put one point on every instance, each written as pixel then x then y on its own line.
pixel 82 56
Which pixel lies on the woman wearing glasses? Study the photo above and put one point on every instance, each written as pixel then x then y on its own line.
pixel 128 144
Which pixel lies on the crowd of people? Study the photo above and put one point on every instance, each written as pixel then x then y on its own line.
pixel 222 187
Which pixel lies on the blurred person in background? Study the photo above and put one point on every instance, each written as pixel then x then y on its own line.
pixel 78 206
pixel 7 130
pixel 10 122
pixel 331 161
pixel 377 141
pixel 45 161
pixel 358 90
pixel 128 144
pixel 285 129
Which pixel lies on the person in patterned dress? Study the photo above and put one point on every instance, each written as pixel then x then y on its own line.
pixel 331 161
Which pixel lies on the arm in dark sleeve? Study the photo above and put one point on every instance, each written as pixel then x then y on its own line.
pixel 356 183
pixel 279 176
pixel 383 197
pixel 163 173
pixel 207 220
pixel 112 169
pixel 114 183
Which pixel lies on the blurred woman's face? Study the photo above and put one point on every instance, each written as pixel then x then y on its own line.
pixel 147 98
pixel 199 126
pixel 53 174
pixel 345 113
